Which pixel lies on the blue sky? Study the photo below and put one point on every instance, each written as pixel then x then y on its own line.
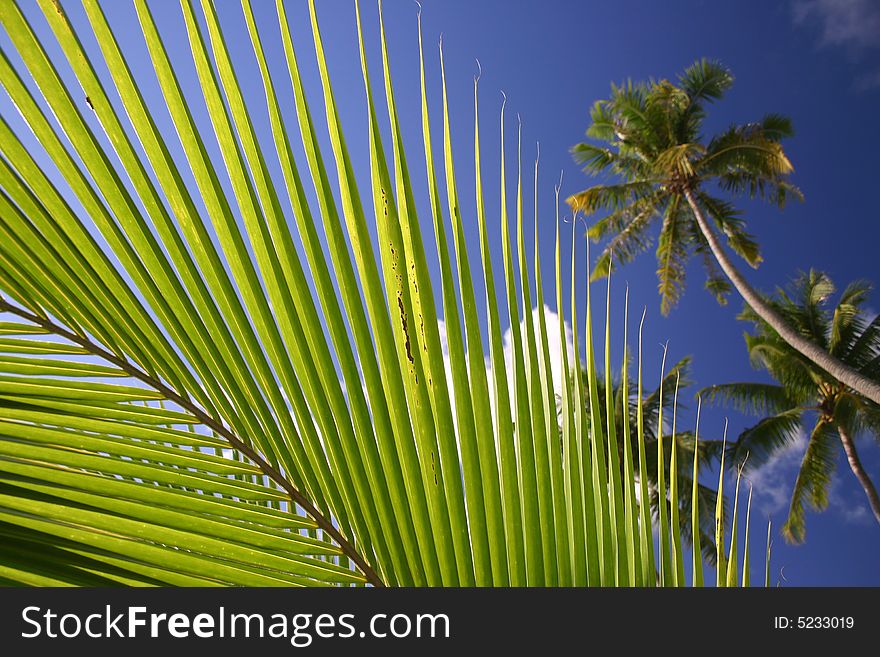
pixel 815 60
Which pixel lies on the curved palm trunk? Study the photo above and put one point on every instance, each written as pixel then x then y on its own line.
pixel 765 311
pixel 859 471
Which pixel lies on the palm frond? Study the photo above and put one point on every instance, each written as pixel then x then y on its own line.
pixel 616 222
pixel 610 197
pixel 94 471
pixel 627 243
pixel 866 346
pixel 706 80
pixel 776 127
pixel 757 444
pixel 751 398
pixel 847 324
pixel 594 158
pixel 672 254
pixel 745 161
pixel 731 223
pixel 786 366
pixel 716 282
pixel 663 394
pixel 194 393
pixel 814 477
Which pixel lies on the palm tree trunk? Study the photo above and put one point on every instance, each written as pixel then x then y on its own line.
pixel 859 471
pixel 840 371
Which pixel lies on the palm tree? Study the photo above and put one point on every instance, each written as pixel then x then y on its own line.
pixel 709 451
pixel 192 393
pixel 649 136
pixel 806 395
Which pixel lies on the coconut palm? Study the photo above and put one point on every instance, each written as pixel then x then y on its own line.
pixel 805 397
pixel 193 393
pixel 649 136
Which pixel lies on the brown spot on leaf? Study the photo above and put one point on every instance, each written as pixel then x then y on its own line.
pixel 403 323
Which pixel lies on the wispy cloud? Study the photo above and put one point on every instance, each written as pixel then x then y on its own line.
pixel 774 480
pixel 849 505
pixel 773 483
pixel 850 24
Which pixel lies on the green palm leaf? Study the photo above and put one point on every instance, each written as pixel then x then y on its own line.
pixel 194 393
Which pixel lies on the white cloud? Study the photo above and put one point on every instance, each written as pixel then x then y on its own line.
pixel 554 344
pixel 868 81
pixel 848 504
pixel 850 24
pixel 773 481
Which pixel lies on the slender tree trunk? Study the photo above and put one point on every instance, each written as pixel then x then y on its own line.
pixel 859 471
pixel 840 371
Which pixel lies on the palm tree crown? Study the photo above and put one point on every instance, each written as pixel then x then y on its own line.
pixel 805 393
pixel 650 136
pixel 653 141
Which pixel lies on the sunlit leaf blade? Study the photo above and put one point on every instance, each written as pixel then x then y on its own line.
pixel 666 574
pixel 746 570
pixel 721 563
pixel 675 543
pixel 731 564
pixel 222 366
pixel 504 426
pixel 646 535
pixel 696 540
